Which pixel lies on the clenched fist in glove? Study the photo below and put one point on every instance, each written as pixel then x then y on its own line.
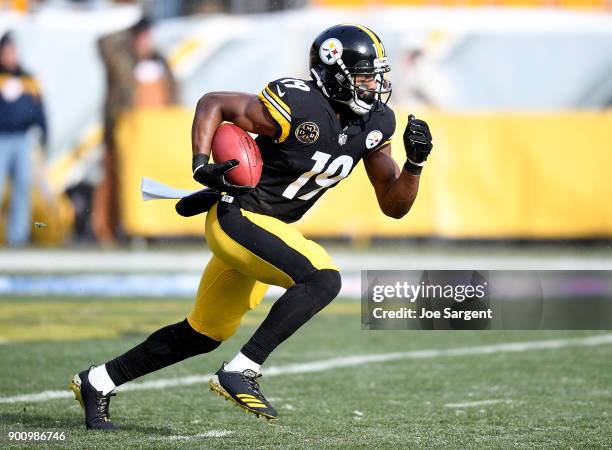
pixel 417 143
pixel 213 175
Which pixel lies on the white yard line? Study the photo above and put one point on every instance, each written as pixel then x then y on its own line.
pixel 348 361
pixel 477 403
pixel 205 435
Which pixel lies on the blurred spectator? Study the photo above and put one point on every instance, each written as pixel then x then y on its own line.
pixel 21 108
pixel 424 82
pixel 137 77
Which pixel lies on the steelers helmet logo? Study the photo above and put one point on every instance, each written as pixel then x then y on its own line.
pixel 307 132
pixel 330 51
pixel 373 139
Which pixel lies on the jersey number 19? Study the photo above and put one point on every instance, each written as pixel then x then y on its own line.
pixel 324 179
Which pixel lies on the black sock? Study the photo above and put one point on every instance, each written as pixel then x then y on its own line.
pixel 292 310
pixel 163 348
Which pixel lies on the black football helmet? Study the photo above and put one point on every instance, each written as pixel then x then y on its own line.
pixel 343 52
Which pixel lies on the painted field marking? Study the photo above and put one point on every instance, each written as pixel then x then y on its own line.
pixel 477 403
pixel 335 363
pixel 205 435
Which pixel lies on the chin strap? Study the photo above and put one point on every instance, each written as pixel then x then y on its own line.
pixel 352 103
pixel 357 108
pixel 319 82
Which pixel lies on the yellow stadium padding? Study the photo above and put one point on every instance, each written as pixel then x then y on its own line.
pixel 511 175
pixel 155 143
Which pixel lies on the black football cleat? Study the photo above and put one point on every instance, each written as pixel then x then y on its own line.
pixel 242 388
pixel 93 402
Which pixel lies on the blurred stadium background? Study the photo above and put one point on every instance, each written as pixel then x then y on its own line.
pixel 518 94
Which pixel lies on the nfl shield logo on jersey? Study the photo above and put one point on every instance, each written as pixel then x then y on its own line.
pixel 373 139
pixel 342 139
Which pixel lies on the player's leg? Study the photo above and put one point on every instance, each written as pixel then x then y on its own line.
pixel 276 253
pixel 93 387
pixel 224 295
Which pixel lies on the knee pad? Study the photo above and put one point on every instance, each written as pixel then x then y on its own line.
pixel 323 284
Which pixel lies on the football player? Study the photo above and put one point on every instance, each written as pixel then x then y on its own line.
pixel 312 134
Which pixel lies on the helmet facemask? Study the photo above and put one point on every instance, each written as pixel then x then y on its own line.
pixel 369 87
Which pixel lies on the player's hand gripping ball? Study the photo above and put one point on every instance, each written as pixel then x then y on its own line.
pixel 237 166
pixel 417 143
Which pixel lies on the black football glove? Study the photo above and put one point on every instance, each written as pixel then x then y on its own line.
pixel 213 175
pixel 417 143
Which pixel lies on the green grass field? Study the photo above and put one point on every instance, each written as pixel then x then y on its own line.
pixel 546 398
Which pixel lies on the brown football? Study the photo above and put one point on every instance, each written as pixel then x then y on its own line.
pixel 232 142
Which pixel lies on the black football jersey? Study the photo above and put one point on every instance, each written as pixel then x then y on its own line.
pixel 311 151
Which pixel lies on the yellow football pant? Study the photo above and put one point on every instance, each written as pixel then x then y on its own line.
pixel 250 252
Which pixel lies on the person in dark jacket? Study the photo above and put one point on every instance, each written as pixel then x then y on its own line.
pixel 21 108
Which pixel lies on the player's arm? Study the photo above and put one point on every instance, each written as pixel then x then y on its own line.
pixel 245 111
pixel 396 189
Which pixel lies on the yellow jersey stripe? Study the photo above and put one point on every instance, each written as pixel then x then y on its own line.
pixel 380 146
pixel 279 115
pixel 266 93
pixel 380 51
pixel 278 100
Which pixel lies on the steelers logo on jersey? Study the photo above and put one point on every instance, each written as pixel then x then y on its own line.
pixel 307 132
pixel 373 139
pixel 330 51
